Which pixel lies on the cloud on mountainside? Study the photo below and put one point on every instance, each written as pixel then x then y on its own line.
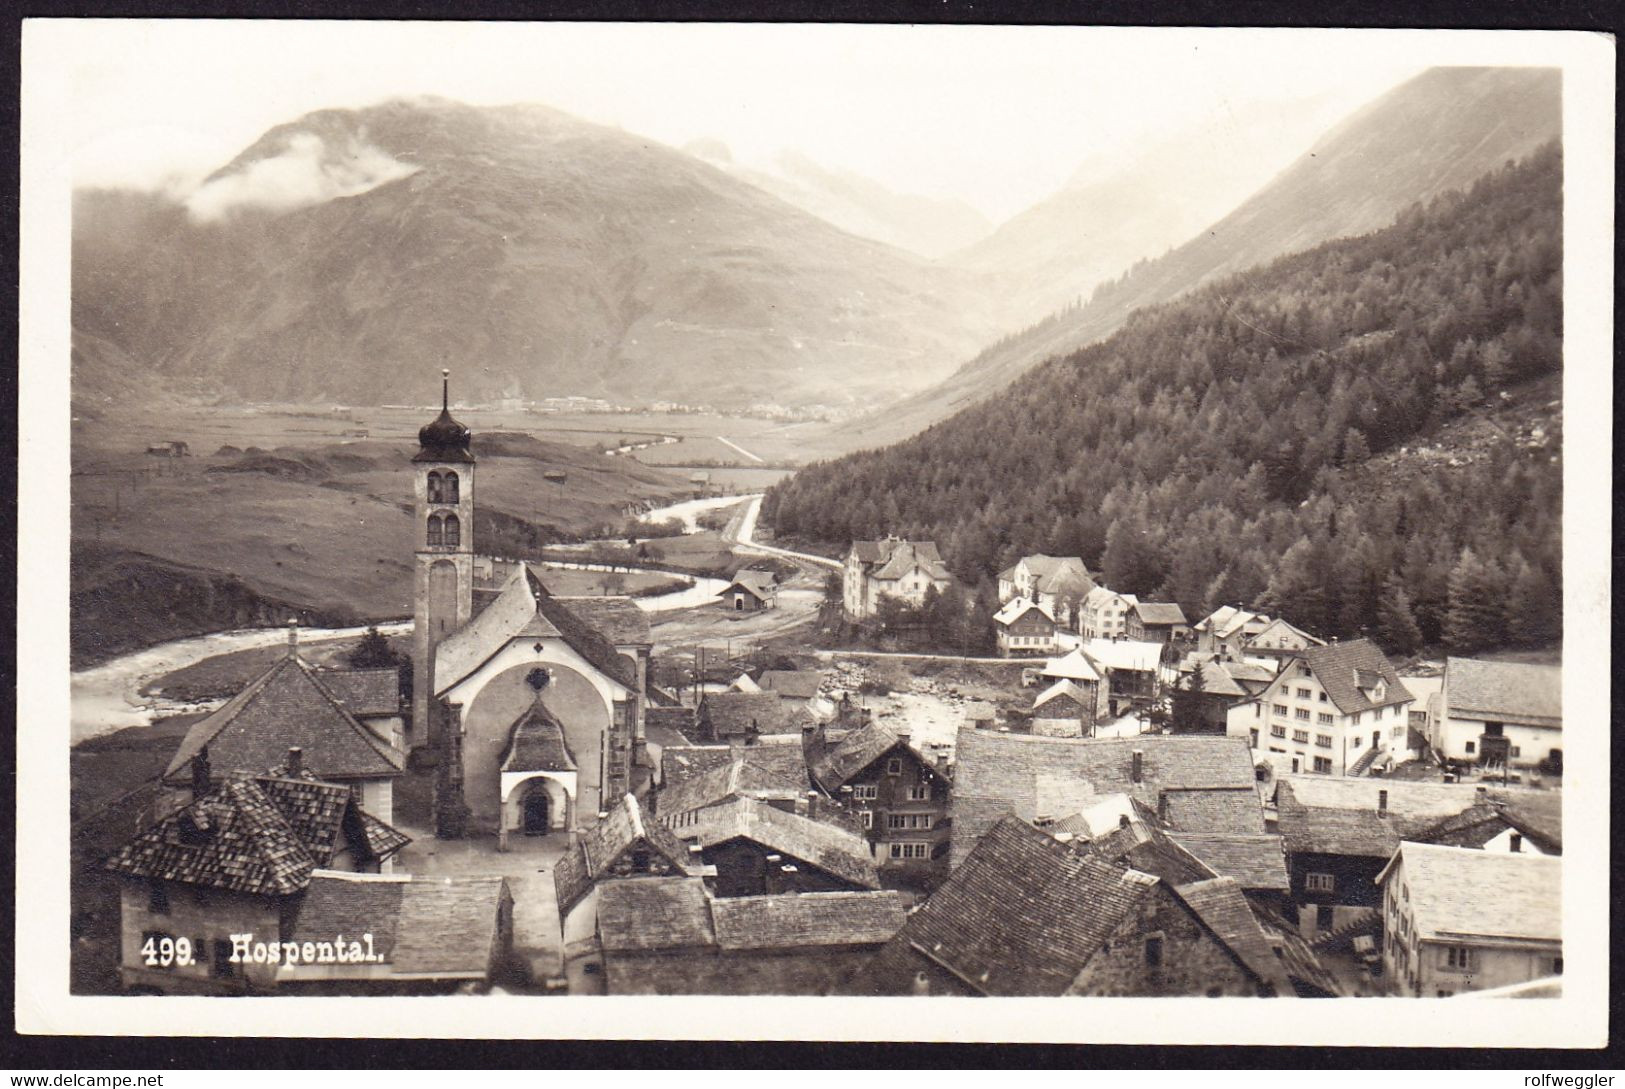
pixel 306 172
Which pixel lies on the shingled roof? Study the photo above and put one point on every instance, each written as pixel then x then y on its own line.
pixel 838 763
pixel 904 556
pixel 1325 815
pixel 1223 909
pixel 1018 607
pixel 286 706
pixel 525 610
pixel 1072 666
pixel 1021 916
pixel 998 773
pixel 596 851
pixel 1231 810
pixel 757 583
pixel 734 714
pixel 676 913
pixel 617 618
pixel 1063 698
pixel 253 835
pixel 812 842
pixel 647 913
pixel 1338 667
pixel 439 928
pixel 536 743
pixel 1509 691
pixel 1448 902
pixel 737 778
pixel 779 755
pixel 1257 862
pixel 800 684
pixel 1159 612
pixel 365 692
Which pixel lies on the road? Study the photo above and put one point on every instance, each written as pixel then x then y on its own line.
pixel 741 449
pixel 741 532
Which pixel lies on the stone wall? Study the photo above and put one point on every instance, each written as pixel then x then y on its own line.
pixel 1193 964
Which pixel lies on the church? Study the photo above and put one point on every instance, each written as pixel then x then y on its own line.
pixel 530 709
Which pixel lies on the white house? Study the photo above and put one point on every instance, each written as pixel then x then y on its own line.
pixel 1104 614
pixel 891 567
pixel 1024 627
pixel 1499 713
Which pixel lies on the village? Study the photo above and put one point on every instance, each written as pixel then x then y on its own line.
pixel 559 794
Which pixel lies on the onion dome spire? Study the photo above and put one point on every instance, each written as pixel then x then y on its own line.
pixel 444 439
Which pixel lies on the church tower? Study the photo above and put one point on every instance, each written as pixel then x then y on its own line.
pixel 443 528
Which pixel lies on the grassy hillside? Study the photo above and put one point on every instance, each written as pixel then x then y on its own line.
pixel 1276 438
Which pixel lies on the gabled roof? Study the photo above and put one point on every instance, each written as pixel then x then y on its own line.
pixel 1021 916
pixel 1124 654
pixel 443 927
pixel 616 618
pixel 646 913
pixel 780 759
pixel 1041 565
pixel 595 851
pixel 1230 810
pixel 1276 630
pixel 1217 680
pixel 1339 668
pixel 252 835
pixel 1017 607
pixel 998 773
pixel 1515 691
pixel 1102 595
pixel 813 842
pixel 734 779
pixel 364 692
pixel 1299 960
pixel 524 610
pixel 800 684
pixel 1060 692
pixel 733 714
pixel 1227 620
pixel 1072 666
pixel 838 763
pixel 1159 612
pixel 1448 893
pixel 536 742
pixel 287 706
pixel 905 556
pixel 1327 815
pixel 800 920
pixel 1223 909
pixel 1257 862
pixel 758 583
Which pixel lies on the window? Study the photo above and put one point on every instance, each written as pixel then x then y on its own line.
pixel 1304 693
pixel 1324 917
pixel 1280 709
pixel 1323 741
pixel 1319 882
pixel 1323 765
pixel 866 818
pixel 1153 951
pixel 1470 748
pixel 1252 739
pixel 910 850
pixel 437 530
pixel 894 766
pixel 1557 966
pixel 1277 731
pixel 454 531
pixel 865 791
pixel 920 793
pixel 1356 743
pixel 1516 751
pixel 1458 958
pixel 921 821
pixel 448 492
pixel 895 820
pixel 1358 715
pixel 435 490
pixel 1323 697
pixel 1301 736
pixel 1303 714
pixel 1446 994
pixel 158 899
pixel 1324 719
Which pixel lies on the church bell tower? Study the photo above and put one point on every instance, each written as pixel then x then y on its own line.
pixel 443 528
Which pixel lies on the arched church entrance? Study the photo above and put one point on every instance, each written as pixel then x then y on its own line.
pixel 536 812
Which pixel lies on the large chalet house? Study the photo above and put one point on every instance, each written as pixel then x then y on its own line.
pixel 1499 714
pixel 1023 627
pixel 1458 920
pixel 1059 584
pixel 1224 683
pixel 1156 622
pixel 890 567
pixel 1278 641
pixel 1104 614
pixel 1332 710
pixel 900 796
pixel 236 858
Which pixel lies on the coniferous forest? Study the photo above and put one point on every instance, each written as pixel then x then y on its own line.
pixel 1295 437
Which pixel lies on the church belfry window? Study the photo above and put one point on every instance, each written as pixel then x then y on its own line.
pixel 448 488
pixel 436 529
pixel 454 531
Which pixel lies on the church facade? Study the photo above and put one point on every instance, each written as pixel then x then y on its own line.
pixel 533 714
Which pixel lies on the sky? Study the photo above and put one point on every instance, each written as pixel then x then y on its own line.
pixel 996 116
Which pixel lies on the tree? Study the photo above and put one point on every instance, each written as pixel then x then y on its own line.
pixel 1185 707
pixel 1397 629
pixel 1475 618
pixel 373 651
pixel 1534 606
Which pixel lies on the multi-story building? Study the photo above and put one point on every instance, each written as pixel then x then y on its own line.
pixel 901 796
pixel 1499 714
pixel 1104 614
pixel 1024 627
pixel 891 567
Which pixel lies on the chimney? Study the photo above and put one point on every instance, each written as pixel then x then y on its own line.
pixel 1382 803
pixel 1137 766
pixel 1517 843
pixel 1122 820
pixel 1483 792
pixel 1162 807
pixel 812 803
pixel 296 761
pixel 200 773
pixel 293 636
pixel 904 737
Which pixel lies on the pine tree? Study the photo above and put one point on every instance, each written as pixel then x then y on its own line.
pixel 373 652
pixel 1534 606
pixel 1475 617
pixel 1397 629
pixel 1185 708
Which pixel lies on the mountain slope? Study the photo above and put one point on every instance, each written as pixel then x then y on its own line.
pixel 1432 134
pixel 353 249
pixel 1219 448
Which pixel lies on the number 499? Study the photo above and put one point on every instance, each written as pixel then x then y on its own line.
pixel 166 951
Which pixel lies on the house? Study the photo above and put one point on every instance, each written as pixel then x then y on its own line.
pixel 1156 622
pixel 1104 614
pixel 1256 862
pixel 1024 627
pixel 676 803
pixel 891 567
pixel 1340 832
pixel 759 850
pixel 1278 640
pixel 1516 822
pixel 668 936
pixel 777 755
pixel 1227 683
pixel 1499 715
pixel 540 714
pixel 1057 583
pixel 233 860
pixel 1228 630
pixel 290 707
pixel 1332 710
pixel 1076 669
pixel 428 935
pixel 799 688
pixel 1456 919
pixel 1046 780
pixel 750 591
pixel 1132 671
pixel 736 716
pixel 625 845
pixel 1067 709
pixel 373 698
pixel 1027 915
pixel 901 797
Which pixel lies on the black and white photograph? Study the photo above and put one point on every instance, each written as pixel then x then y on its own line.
pixel 529 515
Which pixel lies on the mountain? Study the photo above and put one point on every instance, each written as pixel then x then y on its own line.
pixel 1117 209
pixel 352 253
pixel 927 226
pixel 1352 435
pixel 1432 134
